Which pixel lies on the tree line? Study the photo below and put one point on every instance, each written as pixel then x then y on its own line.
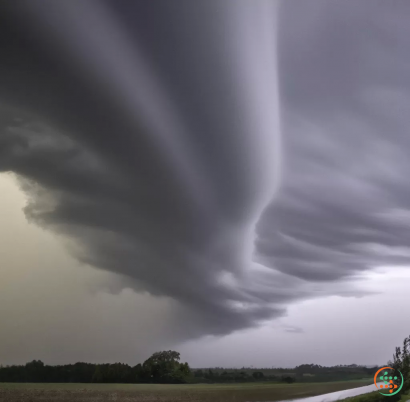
pixel 165 368
pixel 229 376
pixel 162 367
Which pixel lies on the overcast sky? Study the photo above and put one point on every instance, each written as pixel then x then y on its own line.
pixel 228 178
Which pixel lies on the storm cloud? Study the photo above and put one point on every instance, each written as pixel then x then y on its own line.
pixel 149 135
pixel 344 206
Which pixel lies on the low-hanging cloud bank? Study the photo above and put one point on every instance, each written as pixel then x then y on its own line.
pixel 148 134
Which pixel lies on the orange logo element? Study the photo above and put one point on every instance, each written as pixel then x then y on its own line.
pixel 392 380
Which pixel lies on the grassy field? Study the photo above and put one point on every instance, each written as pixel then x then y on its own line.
pixel 375 397
pixel 12 392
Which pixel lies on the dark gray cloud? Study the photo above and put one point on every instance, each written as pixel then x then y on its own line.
pixel 130 125
pixel 148 134
pixel 344 205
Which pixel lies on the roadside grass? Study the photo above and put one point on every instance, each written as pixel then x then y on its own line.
pixel 375 397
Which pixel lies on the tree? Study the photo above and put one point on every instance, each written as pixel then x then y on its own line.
pixel 164 367
pixel 35 364
pixel 97 376
pixel 34 371
pixel 401 362
pixel 287 379
pixel 258 375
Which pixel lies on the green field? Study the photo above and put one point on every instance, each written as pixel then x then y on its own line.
pixel 21 392
pixel 375 397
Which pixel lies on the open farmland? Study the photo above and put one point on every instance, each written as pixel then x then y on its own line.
pixel 13 392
